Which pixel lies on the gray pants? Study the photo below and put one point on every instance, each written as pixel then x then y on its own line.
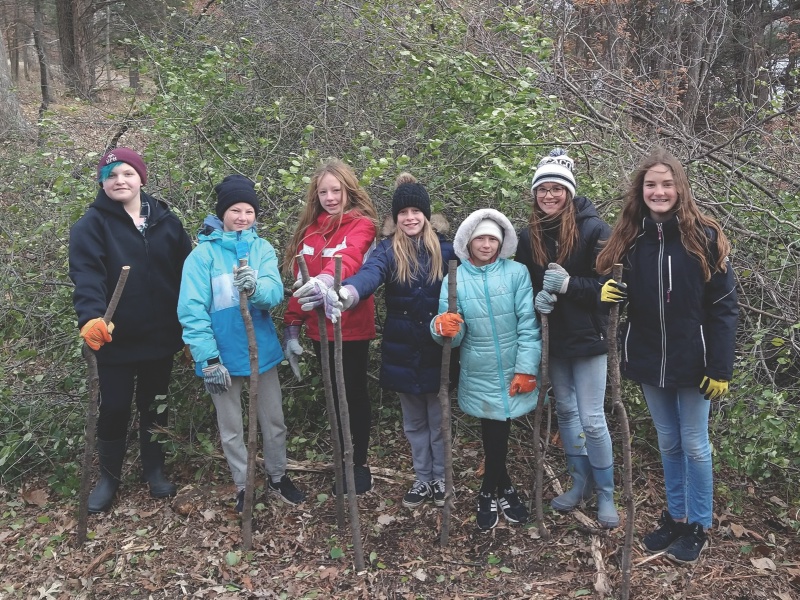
pixel 270 417
pixel 422 423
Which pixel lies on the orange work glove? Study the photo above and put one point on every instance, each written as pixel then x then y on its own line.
pixel 448 324
pixel 96 333
pixel 522 384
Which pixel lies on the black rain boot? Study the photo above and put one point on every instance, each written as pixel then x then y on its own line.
pixel 153 466
pixel 111 455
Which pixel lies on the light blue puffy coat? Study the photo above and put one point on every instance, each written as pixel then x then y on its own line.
pixel 500 335
pixel 208 306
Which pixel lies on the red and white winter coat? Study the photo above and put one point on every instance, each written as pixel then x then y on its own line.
pixel 353 238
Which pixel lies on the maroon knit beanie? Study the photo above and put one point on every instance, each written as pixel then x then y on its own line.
pixel 127 156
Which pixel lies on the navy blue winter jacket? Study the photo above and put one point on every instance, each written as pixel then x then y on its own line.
pixel 410 360
pixel 579 322
pixel 679 327
pixel 104 240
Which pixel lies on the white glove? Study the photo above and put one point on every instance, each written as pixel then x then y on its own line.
pixel 556 279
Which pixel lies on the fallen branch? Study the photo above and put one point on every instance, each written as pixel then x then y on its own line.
pixel 252 424
pixel 91 412
pixel 330 404
pixel 344 418
pixel 444 402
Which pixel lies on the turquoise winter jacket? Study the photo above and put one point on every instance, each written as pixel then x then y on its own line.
pixel 500 335
pixel 208 305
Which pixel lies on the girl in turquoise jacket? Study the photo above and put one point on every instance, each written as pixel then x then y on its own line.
pixel 501 346
pixel 208 309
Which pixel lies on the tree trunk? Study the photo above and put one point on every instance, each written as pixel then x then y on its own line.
pixel 11 120
pixel 38 43
pixel 76 44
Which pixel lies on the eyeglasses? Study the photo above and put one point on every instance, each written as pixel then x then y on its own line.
pixel 555 191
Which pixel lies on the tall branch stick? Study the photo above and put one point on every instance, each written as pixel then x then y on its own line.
pixel 91 412
pixel 538 447
pixel 344 418
pixel 622 418
pixel 252 423
pixel 444 401
pixel 333 420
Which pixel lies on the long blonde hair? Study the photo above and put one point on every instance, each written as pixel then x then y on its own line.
pixel 355 197
pixel 568 235
pixel 692 223
pixel 407 250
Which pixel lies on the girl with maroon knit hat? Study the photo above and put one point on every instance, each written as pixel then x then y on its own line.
pixel 124 226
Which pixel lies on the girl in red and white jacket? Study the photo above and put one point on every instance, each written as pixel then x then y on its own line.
pixel 338 219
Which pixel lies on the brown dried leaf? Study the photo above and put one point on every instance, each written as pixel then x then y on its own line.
pixel 35 497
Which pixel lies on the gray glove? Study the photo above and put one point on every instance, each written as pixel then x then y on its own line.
pixel 556 279
pixel 292 348
pixel 545 302
pixel 244 279
pixel 216 378
pixel 312 293
pixel 349 296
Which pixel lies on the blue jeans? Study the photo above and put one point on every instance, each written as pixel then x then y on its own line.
pixel 579 385
pixel 681 419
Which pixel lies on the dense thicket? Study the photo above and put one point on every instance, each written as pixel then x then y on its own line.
pixel 467 96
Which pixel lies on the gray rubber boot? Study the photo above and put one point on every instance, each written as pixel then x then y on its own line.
pixel 111 455
pixel 607 514
pixel 581 472
pixel 153 466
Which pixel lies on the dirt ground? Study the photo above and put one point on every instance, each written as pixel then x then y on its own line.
pixel 190 546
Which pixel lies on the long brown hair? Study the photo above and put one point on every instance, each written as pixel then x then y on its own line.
pixel 355 197
pixel 692 223
pixel 567 231
pixel 406 249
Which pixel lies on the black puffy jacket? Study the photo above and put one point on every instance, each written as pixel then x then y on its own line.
pixel 679 327
pixel 104 240
pixel 578 323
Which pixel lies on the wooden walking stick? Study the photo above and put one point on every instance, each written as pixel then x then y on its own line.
pixel 330 404
pixel 344 418
pixel 622 417
pixel 91 411
pixel 538 449
pixel 444 401
pixel 252 423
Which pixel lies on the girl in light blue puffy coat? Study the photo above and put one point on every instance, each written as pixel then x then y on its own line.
pixel 501 346
pixel 208 309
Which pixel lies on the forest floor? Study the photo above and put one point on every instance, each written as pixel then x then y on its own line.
pixel 190 546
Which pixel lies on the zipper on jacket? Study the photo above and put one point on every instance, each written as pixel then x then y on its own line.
pixel 661 318
pixel 703 340
pixel 501 373
pixel 669 277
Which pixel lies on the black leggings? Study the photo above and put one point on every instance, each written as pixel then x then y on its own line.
pixel 495 448
pixel 151 379
pixel 355 362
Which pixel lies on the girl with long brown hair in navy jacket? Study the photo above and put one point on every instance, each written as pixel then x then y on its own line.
pixel 678 342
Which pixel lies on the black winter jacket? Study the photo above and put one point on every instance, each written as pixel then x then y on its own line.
pixel 679 327
pixel 411 360
pixel 104 240
pixel 578 323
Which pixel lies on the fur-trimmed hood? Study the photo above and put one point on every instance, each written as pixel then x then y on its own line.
pixel 438 221
pixel 461 241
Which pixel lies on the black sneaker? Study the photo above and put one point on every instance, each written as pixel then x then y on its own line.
pixel 487 512
pixel 513 508
pixel 240 501
pixel 286 491
pixel 362 478
pixel 687 548
pixel 437 485
pixel 668 531
pixel 418 493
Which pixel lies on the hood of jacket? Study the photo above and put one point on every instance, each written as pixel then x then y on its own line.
pixel 212 231
pixel 461 241
pixel 158 208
